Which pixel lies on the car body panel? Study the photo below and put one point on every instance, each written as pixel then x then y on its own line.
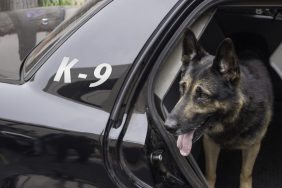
pixel 26 101
pixel 51 131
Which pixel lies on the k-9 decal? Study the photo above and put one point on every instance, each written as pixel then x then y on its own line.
pixel 66 66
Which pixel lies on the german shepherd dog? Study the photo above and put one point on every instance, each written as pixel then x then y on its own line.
pixel 228 100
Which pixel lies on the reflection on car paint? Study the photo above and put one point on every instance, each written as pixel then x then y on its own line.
pixel 55 156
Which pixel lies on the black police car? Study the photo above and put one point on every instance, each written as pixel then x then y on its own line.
pixel 86 107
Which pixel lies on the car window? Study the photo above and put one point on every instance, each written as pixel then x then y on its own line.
pixel 24 24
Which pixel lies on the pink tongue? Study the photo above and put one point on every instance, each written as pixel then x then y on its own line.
pixel 184 143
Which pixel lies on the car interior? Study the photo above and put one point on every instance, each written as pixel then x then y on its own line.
pixel 255 28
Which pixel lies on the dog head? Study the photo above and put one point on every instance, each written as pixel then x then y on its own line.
pixel 208 89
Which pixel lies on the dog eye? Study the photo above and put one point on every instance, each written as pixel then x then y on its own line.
pixel 201 96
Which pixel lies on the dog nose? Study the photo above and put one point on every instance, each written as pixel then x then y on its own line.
pixel 170 125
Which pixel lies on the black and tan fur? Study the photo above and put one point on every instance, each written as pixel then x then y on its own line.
pixel 227 99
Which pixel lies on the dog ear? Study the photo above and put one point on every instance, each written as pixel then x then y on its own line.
pixel 226 61
pixel 191 47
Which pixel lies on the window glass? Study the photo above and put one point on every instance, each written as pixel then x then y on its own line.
pixel 23 24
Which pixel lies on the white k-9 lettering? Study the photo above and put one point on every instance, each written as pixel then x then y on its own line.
pixel 65 67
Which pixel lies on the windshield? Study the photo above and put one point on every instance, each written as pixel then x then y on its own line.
pixel 24 24
pixel 58 33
